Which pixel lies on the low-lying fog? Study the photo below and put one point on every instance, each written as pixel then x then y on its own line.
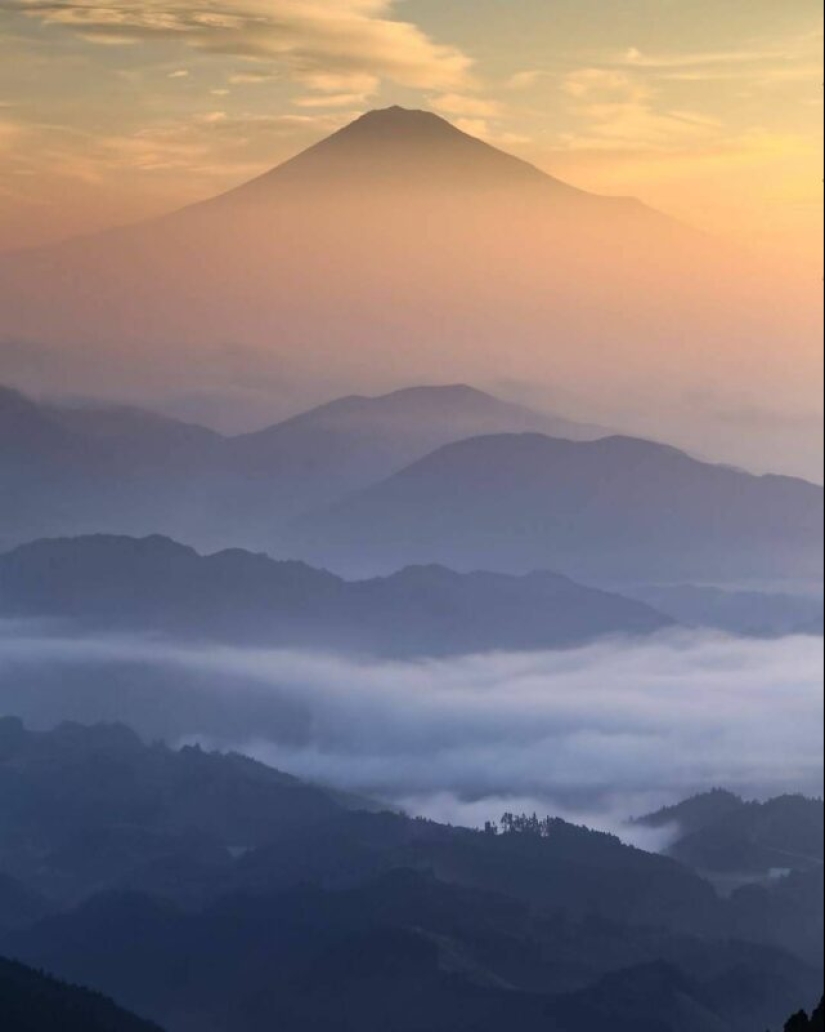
pixel 595 734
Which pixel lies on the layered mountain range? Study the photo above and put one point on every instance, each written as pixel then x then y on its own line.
pixel 206 890
pixel 91 468
pixel 446 475
pixel 400 250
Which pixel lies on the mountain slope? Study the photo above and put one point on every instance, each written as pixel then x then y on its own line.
pixel 754 613
pixel 156 584
pixel 356 441
pixel 93 806
pixel 402 249
pixel 309 959
pixel 190 888
pixel 85 469
pixel 721 832
pixel 398 147
pixel 801 1023
pixel 617 508
pixel 32 1002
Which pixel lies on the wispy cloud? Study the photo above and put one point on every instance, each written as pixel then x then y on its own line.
pixel 618 109
pixel 327 37
pixel 467 106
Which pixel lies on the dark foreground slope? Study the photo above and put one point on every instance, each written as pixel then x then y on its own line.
pixel 32 1002
pixel 399 954
pixel 800 1022
pixel 616 508
pixel 217 895
pixel 155 584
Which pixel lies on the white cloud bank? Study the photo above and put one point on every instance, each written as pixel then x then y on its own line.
pixel 595 734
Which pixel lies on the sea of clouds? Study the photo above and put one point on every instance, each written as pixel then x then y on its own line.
pixel 595 734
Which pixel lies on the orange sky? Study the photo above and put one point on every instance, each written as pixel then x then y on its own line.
pixel 111 111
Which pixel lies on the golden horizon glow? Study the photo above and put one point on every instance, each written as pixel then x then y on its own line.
pixel 110 112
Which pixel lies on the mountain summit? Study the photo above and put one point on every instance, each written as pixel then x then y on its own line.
pixel 398 249
pixel 396 146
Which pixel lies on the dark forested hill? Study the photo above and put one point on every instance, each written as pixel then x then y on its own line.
pixel 30 1001
pixel 721 832
pixel 216 894
pixel 800 1022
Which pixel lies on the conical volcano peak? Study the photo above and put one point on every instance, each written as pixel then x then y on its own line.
pixel 394 122
pixel 401 148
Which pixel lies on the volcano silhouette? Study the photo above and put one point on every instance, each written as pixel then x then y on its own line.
pixel 410 149
pixel 398 250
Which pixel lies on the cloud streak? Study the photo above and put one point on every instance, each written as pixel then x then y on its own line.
pixel 598 733
pixel 328 37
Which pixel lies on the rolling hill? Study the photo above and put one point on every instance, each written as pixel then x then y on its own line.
pixel 211 892
pixel 613 509
pixel 723 833
pixel 31 1001
pixel 154 584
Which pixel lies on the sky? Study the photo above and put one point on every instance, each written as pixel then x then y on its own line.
pixel 115 110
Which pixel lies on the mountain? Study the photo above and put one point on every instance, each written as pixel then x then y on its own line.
pixel 758 614
pixel 210 892
pixel 372 203
pixel 381 956
pixel 81 469
pixel 64 467
pixel 154 584
pixel 404 149
pixel 355 441
pixel 719 832
pixel 402 249
pixel 94 806
pixel 30 1001
pixel 766 858
pixel 617 508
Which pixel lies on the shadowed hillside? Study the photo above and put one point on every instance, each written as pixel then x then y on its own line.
pixel 32 1002
pixel 214 893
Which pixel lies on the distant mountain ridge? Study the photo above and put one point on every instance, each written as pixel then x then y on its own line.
pixel 759 614
pixel 615 508
pixel 368 485
pixel 155 584
pixel 69 470
pixel 399 249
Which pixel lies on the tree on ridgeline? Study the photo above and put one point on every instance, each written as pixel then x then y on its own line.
pixel 800 1022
